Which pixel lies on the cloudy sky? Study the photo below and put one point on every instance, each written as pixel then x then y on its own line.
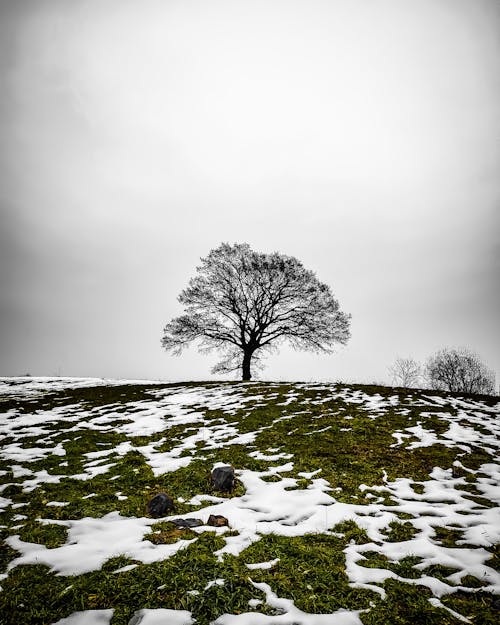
pixel 360 136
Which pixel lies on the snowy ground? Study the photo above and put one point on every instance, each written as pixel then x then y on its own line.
pixel 399 489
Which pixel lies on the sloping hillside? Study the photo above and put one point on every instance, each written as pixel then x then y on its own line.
pixel 353 504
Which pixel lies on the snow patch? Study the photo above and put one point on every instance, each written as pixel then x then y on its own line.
pixel 87 617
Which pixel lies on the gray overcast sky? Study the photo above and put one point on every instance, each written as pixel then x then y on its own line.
pixel 361 136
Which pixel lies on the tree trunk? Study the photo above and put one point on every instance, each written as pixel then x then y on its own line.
pixel 247 357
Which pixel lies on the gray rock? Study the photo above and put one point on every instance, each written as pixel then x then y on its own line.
pixel 187 522
pixel 223 478
pixel 160 505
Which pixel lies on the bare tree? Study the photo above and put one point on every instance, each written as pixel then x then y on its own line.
pixel 459 370
pixel 405 372
pixel 246 303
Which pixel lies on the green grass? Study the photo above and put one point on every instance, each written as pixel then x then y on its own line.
pixel 355 450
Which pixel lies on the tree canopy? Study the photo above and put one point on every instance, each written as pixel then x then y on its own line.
pixel 246 303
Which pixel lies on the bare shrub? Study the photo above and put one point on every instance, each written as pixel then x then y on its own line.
pixel 459 370
pixel 405 372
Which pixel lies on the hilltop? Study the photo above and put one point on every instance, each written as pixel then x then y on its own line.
pixel 354 505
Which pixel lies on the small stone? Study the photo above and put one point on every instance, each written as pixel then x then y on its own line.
pixel 160 504
pixel 217 520
pixel 223 478
pixel 187 522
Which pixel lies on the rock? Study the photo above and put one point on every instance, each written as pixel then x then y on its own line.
pixel 217 520
pixel 223 478
pixel 160 504
pixel 187 522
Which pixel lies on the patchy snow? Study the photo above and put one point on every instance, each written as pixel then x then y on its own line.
pixel 269 457
pixel 263 565
pixel 437 604
pixel 325 429
pixel 289 614
pixel 5 503
pixel 215 582
pixel 426 438
pixel 126 568
pixel 87 617
pixel 161 616
pixel 19 471
pixel 474 424
pixel 267 507
pixel 309 474
pixel 139 419
pixel 16 452
pixel 40 477
pixel 91 542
